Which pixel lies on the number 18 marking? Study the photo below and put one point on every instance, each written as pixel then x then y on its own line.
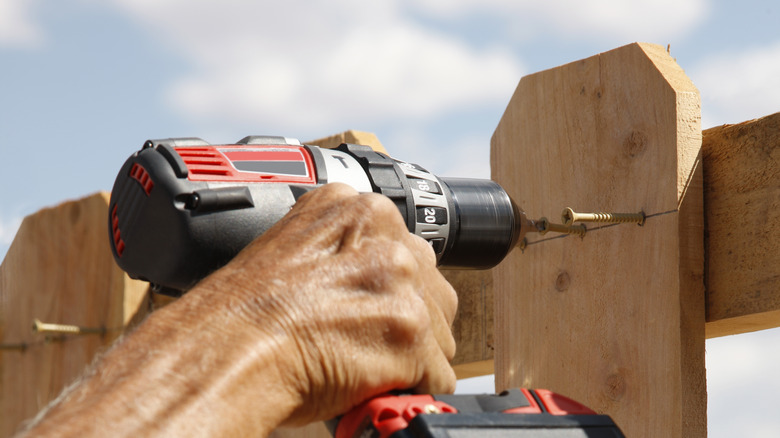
pixel 423 185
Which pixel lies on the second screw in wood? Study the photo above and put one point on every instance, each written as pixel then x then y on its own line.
pixel 65 329
pixel 546 226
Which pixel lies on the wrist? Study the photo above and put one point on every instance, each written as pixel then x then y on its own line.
pixel 191 369
pixel 242 361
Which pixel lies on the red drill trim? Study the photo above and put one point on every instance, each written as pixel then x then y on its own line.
pixel 138 173
pixel 119 244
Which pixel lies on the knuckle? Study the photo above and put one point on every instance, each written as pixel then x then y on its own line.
pixel 391 270
pixel 338 189
pixel 424 248
pixel 407 324
pixel 380 206
pixel 384 267
pixel 400 261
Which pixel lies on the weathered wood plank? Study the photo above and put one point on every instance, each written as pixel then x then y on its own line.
pixel 473 325
pixel 742 237
pixel 58 269
pixel 614 319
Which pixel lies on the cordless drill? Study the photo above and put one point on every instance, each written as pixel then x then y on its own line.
pixel 182 208
pixel 203 203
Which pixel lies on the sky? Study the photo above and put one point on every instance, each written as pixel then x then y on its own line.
pixel 83 83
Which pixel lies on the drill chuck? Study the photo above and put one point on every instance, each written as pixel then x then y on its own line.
pixel 485 223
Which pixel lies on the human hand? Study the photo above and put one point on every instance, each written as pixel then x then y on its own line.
pixel 336 303
pixel 353 302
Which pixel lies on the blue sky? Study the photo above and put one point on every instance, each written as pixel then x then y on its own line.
pixel 84 82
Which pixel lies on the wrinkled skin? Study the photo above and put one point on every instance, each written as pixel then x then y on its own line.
pixel 336 303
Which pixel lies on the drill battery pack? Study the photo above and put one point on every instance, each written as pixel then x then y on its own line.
pixel 512 413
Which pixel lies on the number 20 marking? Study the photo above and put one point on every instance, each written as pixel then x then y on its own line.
pixel 430 215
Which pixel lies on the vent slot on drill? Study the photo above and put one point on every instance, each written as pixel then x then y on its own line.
pixel 138 173
pixel 204 162
pixel 119 244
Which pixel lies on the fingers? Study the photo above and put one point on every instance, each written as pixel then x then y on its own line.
pixel 441 290
pixel 441 302
pixel 439 296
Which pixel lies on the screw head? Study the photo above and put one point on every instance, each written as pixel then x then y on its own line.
pixel 567 216
pixel 544 226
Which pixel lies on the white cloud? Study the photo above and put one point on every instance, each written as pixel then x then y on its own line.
pixel 400 72
pixel 17 28
pixel 468 157
pixel 321 63
pixel 739 85
pixel 658 20
pixel 340 61
pixel 8 228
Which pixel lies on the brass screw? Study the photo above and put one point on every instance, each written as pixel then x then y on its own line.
pixel 545 226
pixel 65 329
pixel 569 217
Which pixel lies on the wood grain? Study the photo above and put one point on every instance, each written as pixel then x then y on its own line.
pixel 614 319
pixel 742 238
pixel 473 325
pixel 58 269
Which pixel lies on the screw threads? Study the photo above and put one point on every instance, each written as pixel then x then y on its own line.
pixel 545 226
pixel 67 329
pixel 570 217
